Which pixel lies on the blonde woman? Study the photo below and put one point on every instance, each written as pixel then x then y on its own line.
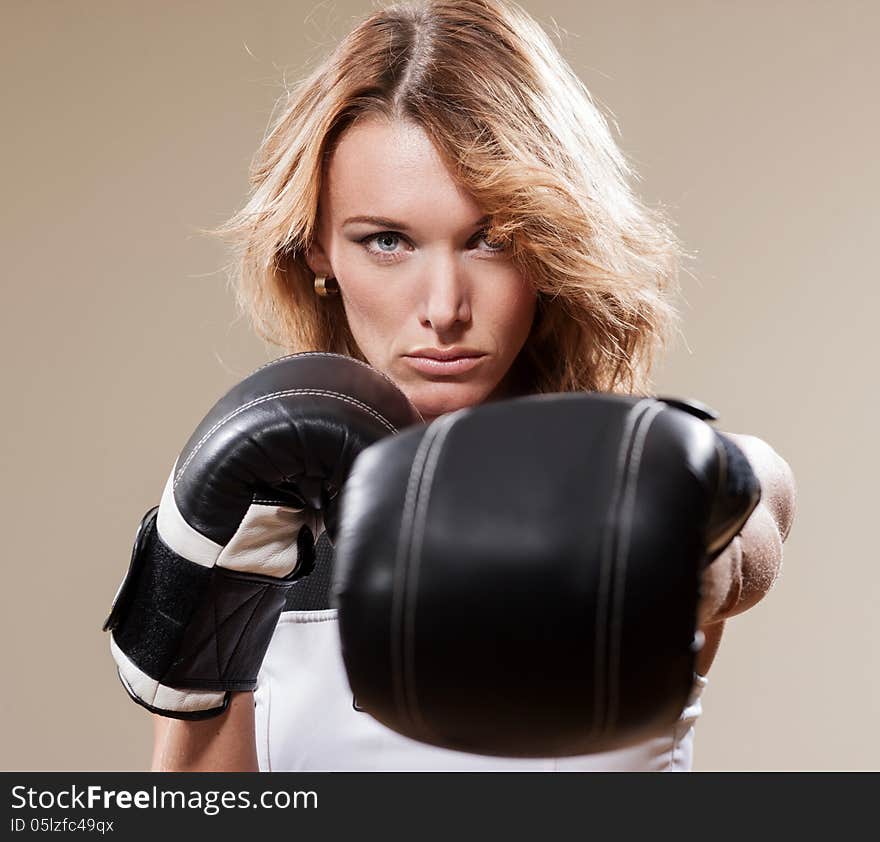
pixel 441 199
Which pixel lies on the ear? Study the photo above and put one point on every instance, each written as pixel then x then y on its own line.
pixel 316 259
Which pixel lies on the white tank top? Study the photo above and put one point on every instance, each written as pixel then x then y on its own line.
pixel 306 719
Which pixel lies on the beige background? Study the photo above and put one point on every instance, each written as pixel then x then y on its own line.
pixel 129 125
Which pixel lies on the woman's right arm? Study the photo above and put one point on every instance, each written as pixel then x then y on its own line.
pixel 225 743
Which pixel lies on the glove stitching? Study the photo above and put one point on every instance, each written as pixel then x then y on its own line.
pixel 272 396
pixel 603 645
pixel 602 600
pixel 332 356
pixel 275 503
pixel 219 624
pixel 287 357
pixel 627 508
pixel 210 635
pixel 404 543
pixel 326 615
pixel 257 604
pixel 420 522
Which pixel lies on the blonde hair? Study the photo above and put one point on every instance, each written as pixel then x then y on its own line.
pixel 520 132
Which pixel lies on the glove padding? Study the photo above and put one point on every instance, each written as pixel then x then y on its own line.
pixel 255 485
pixel 522 578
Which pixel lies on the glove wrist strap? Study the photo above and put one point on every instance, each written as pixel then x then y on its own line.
pixel 186 635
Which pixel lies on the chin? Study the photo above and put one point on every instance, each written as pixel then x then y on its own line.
pixel 435 399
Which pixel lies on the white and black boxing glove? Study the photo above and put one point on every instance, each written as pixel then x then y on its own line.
pixel 522 578
pixel 248 496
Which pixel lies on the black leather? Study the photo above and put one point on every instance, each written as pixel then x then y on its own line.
pixel 312 592
pixel 191 626
pixel 522 578
pixel 291 430
pixel 189 619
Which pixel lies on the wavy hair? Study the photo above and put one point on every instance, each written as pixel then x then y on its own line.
pixel 519 132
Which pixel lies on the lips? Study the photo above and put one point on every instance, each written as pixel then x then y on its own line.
pixel 445 354
pixel 453 361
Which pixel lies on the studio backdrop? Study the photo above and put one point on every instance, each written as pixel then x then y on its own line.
pixel 129 127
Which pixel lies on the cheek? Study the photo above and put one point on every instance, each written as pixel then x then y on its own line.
pixel 374 313
pixel 512 311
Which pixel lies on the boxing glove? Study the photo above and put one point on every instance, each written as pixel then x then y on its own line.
pixel 246 499
pixel 521 578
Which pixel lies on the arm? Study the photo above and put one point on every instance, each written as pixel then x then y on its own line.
pixel 225 743
pixel 744 573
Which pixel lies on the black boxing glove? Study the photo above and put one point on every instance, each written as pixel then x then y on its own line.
pixel 248 496
pixel 521 578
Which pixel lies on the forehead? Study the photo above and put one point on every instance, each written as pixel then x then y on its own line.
pixel 391 169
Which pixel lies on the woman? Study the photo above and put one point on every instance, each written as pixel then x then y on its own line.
pixel 441 199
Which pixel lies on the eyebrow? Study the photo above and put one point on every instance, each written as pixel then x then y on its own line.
pixel 399 226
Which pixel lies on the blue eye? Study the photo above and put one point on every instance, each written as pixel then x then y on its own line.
pixel 492 246
pixel 384 238
pixel 382 243
pixel 386 243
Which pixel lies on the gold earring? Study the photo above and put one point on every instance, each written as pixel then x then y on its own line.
pixel 325 286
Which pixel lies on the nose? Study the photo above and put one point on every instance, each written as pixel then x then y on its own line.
pixel 445 302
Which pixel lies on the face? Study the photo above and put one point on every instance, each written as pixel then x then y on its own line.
pixel 418 279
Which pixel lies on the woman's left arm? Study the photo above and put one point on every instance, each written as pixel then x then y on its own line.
pixel 742 575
